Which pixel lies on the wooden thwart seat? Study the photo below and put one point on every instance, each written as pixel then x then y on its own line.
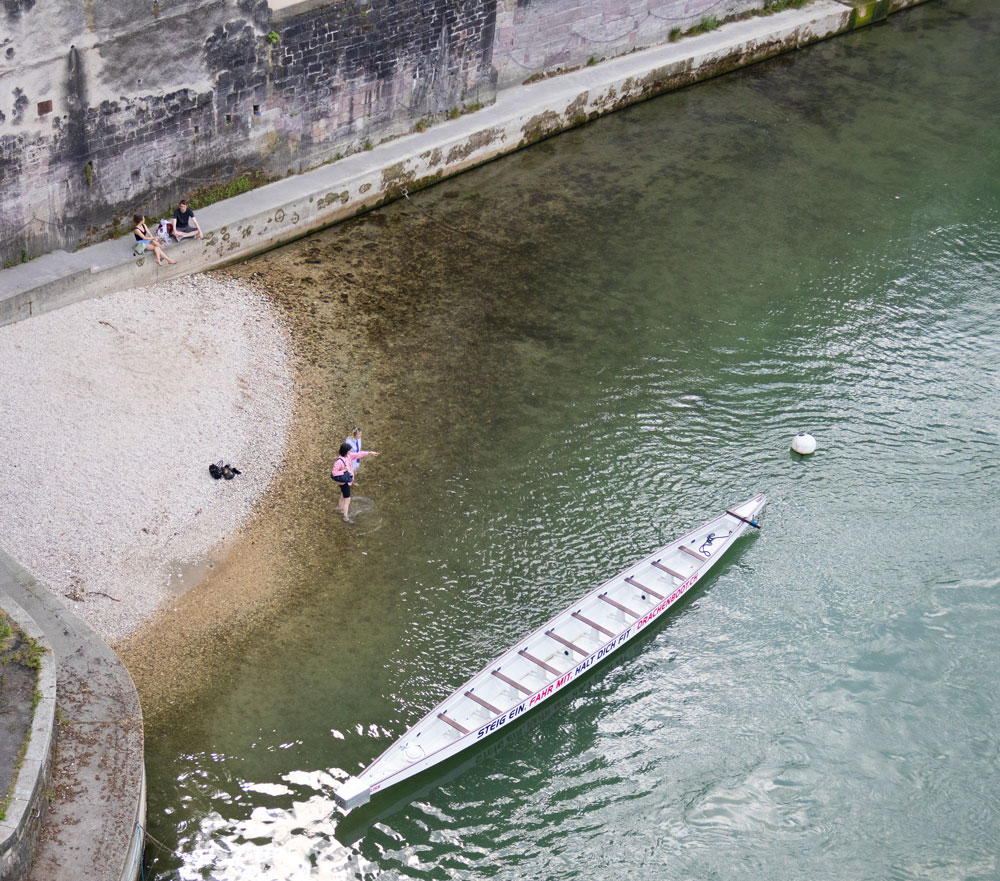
pixel 453 723
pixel 617 605
pixel 693 553
pixel 593 624
pixel 649 590
pixel 570 645
pixel 669 571
pixel 525 654
pixel 511 682
pixel 752 523
pixel 496 711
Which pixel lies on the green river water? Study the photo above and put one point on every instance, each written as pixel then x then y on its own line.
pixel 615 335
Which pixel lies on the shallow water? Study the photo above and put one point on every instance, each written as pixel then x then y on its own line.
pixel 583 350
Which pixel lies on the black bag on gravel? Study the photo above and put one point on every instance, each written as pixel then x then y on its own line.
pixel 219 470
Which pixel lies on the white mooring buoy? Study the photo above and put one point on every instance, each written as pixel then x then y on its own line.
pixel 804 444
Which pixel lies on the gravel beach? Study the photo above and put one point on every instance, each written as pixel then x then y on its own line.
pixel 111 411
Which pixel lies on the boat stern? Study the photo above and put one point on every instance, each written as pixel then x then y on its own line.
pixel 352 794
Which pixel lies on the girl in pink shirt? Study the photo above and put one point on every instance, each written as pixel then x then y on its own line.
pixel 343 476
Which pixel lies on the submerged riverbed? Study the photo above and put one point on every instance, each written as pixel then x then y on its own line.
pixel 566 359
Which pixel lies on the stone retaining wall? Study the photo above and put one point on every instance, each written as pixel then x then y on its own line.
pixel 299 204
pixel 110 109
pixel 26 812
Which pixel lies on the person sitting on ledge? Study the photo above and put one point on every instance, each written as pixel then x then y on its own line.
pixel 144 240
pixel 185 223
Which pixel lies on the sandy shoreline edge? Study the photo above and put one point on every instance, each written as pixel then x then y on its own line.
pixel 113 409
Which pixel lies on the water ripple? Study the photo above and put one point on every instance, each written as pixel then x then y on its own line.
pixel 792 255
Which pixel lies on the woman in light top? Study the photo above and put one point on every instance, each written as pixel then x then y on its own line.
pixel 343 476
pixel 145 239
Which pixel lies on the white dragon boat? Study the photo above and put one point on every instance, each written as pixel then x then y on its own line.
pixel 590 630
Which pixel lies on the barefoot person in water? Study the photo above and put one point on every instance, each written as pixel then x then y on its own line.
pixel 353 440
pixel 343 476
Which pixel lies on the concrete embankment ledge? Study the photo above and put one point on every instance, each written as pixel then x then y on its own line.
pixel 77 813
pixel 287 209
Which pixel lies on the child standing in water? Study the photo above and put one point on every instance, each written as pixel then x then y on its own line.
pixel 353 440
pixel 343 475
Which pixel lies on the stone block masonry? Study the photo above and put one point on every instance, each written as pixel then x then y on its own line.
pixel 121 108
pixel 343 76
pixel 112 109
pixel 298 204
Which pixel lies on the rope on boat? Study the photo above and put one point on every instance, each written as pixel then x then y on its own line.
pixel 703 550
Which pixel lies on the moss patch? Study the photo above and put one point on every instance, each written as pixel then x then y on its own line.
pixel 20 658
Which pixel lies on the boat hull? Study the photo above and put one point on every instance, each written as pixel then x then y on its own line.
pixel 448 732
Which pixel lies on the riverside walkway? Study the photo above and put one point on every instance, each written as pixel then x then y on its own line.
pixel 96 791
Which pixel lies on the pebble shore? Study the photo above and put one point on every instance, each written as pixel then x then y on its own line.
pixel 111 411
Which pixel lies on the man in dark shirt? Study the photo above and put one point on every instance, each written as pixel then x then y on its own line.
pixel 185 223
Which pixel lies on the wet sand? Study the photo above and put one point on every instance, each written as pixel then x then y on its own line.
pixel 367 326
pixel 401 321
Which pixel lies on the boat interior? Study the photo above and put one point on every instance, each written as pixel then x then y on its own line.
pixel 564 643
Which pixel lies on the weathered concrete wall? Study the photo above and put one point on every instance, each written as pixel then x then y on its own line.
pixel 534 37
pixel 89 826
pixel 296 205
pixel 344 75
pixel 112 108
pixel 102 103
